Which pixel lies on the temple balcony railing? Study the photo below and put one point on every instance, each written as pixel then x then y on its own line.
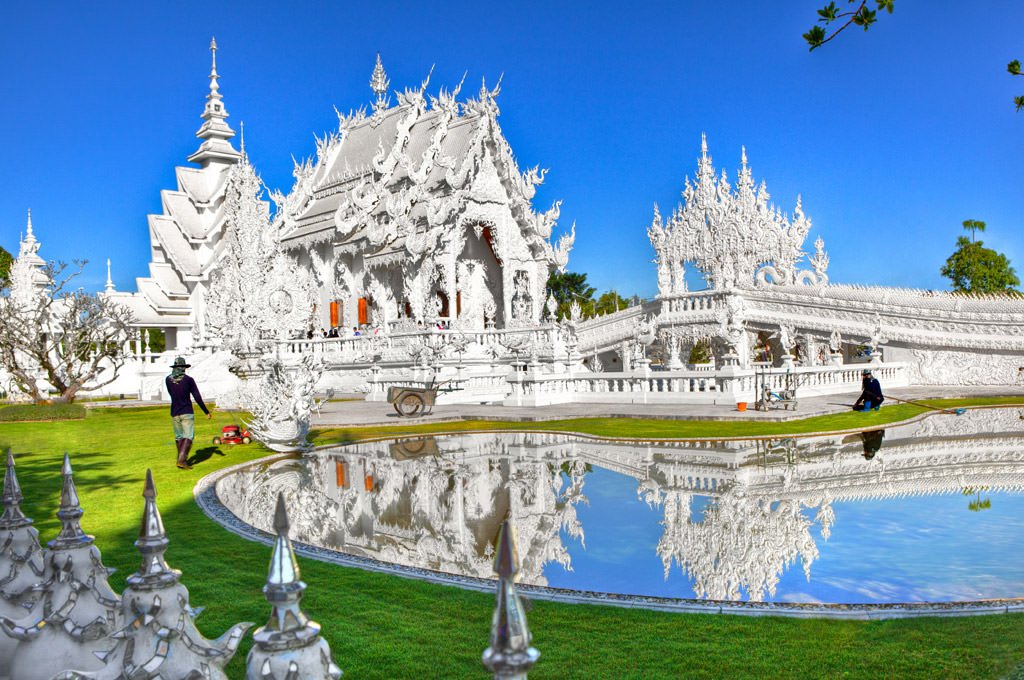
pixel 728 385
pixel 543 340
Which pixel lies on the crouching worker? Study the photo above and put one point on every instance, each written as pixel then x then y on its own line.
pixel 183 389
pixel 870 395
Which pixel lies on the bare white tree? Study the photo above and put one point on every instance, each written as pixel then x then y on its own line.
pixel 68 337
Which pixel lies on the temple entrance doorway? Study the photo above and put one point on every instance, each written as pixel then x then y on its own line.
pixel 479 297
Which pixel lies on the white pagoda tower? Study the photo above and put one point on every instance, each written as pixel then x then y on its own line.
pixel 187 237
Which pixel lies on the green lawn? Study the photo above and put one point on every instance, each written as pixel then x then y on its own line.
pixel 387 627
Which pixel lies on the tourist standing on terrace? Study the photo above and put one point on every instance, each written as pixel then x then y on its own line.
pixel 183 389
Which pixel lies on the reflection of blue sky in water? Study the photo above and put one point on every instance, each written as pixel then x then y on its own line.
pixel 920 549
pixel 890 550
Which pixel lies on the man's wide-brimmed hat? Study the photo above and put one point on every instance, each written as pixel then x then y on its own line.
pixel 180 363
pixel 865 372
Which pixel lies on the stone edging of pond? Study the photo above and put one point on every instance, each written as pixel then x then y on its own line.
pixel 205 495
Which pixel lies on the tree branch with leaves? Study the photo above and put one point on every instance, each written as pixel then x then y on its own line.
pixel 1014 68
pixel 832 16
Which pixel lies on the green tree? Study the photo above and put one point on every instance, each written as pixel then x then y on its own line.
pixel 610 302
pixel 568 286
pixel 6 259
pixel 700 353
pixel 973 268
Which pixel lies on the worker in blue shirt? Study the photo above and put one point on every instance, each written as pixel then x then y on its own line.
pixel 183 389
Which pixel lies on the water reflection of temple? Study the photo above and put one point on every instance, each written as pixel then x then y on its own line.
pixel 428 503
pixel 735 514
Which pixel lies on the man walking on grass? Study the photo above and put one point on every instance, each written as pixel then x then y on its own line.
pixel 183 389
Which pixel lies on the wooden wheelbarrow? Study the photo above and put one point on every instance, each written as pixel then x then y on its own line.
pixel 410 402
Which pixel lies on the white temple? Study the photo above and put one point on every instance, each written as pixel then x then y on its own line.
pixel 418 213
pixel 413 236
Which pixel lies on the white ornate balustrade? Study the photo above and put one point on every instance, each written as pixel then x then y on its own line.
pixel 723 386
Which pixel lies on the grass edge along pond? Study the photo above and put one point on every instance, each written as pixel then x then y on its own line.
pixel 383 626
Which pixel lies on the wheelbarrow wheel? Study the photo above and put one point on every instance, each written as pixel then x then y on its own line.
pixel 409 404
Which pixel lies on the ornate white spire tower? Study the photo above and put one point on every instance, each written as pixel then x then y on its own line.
pixel 379 84
pixel 27 276
pixel 29 246
pixel 214 132
pixel 109 287
pixel 185 238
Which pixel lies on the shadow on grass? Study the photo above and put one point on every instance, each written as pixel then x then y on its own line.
pixel 91 469
pixel 204 454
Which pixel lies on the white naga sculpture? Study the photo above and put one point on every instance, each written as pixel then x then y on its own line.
pixel 731 234
pixel 281 403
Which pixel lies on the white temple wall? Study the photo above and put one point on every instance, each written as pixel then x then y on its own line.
pixel 960 367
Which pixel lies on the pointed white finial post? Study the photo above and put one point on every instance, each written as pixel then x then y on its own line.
pixel 703 145
pixel 241 136
pixel 379 84
pixel 213 65
pixel 215 132
pixel 70 512
pixel 509 656
pixel 29 236
pixel 109 287
pixel 12 517
pixel 288 645
pixel 743 157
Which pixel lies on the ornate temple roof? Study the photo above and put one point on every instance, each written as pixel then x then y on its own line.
pixel 390 180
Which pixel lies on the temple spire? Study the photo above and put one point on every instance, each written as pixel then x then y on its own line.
pixel 29 236
pixel 109 287
pixel 214 132
pixel 379 84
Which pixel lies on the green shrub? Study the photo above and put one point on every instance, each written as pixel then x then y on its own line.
pixel 22 412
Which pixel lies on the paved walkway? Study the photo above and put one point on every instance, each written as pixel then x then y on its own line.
pixel 358 412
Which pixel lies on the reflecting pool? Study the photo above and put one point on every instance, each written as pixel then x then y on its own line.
pixel 929 511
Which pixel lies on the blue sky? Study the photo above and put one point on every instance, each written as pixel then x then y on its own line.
pixel 892 137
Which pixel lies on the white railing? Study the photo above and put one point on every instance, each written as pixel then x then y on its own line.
pixel 724 386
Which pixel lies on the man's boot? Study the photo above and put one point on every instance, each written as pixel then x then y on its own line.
pixel 183 447
pixel 186 447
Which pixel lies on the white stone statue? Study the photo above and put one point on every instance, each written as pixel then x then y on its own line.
pixel 281 403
